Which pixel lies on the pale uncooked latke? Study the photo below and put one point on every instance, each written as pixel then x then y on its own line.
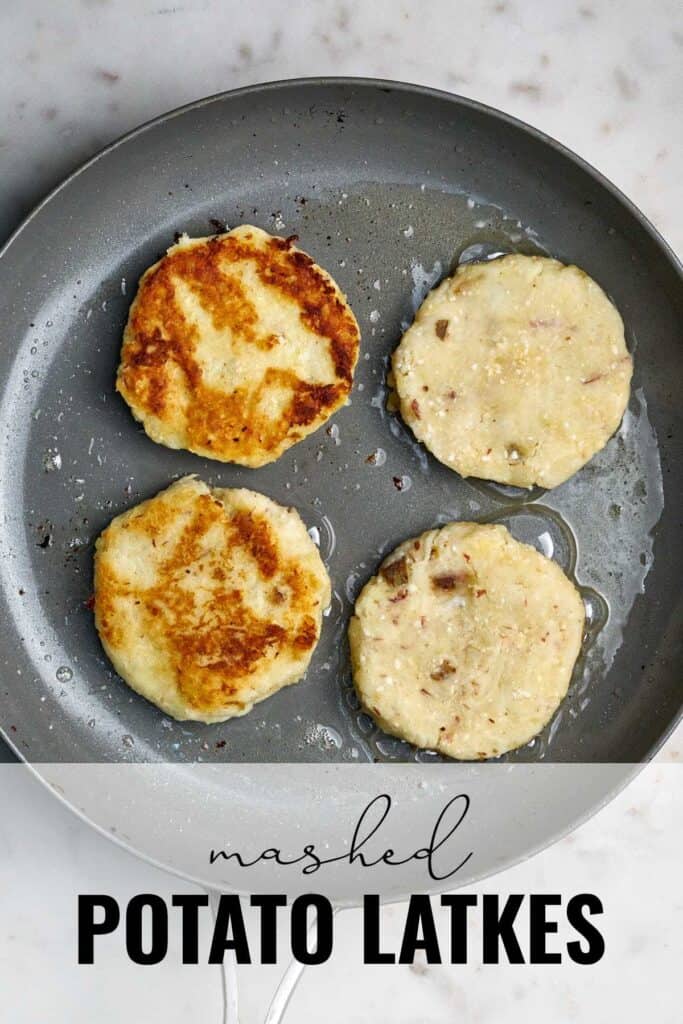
pixel 465 641
pixel 515 370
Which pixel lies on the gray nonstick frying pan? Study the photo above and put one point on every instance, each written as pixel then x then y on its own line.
pixel 388 186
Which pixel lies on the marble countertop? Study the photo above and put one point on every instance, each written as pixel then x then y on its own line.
pixel 602 77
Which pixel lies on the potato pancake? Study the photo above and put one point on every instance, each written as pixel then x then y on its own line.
pixel 465 641
pixel 237 346
pixel 208 600
pixel 515 370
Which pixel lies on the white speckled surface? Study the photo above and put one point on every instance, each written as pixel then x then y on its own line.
pixel 603 77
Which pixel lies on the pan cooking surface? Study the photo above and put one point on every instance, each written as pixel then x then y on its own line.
pixel 387 188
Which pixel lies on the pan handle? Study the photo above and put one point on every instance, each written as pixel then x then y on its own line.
pixel 283 993
pixel 228 973
pixel 285 990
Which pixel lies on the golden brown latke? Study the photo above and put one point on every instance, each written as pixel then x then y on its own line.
pixel 237 346
pixel 208 601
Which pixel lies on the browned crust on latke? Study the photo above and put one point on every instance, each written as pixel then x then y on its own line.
pixel 160 343
pixel 214 643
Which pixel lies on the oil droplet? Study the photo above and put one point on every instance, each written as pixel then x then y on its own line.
pixel 545 543
pixel 352 585
pixel 64 674
pixel 323 736
pixel 52 461
pixel 128 740
pixel 351 698
pixel 425 756
pixel 390 747
pixel 596 609
pixel 377 458
pixel 423 281
pixel 333 432
pixel 328 540
pixel 479 252
pixel 365 724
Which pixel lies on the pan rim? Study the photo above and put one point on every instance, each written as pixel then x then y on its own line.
pixel 631 770
pixel 370 83
pixel 411 89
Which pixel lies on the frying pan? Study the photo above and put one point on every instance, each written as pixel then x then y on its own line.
pixel 388 186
